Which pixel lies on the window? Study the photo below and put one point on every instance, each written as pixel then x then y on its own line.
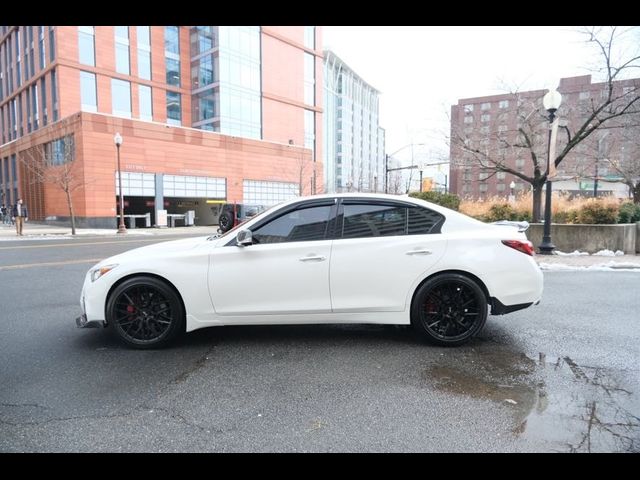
pixel 122 50
pixel 301 225
pixel 260 192
pixel 54 95
pixel 43 89
pixel 60 151
pixel 485 106
pixel 144 52
pixel 88 98
pixel 485 117
pixel 310 37
pixel 468 108
pixel 500 187
pixel 41 45
pixel 519 163
pixel 501 175
pixel 172 54
pixel 121 98
pixel 309 79
pixel 173 72
pixel 309 131
pixel 146 105
pixel 361 221
pixel 503 104
pixel 585 95
pixel 174 115
pixel 86 46
pixel 52 43
pixel 468 119
pixel 423 221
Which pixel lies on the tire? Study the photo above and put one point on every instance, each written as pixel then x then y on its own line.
pixel 145 313
pixel 449 309
pixel 225 221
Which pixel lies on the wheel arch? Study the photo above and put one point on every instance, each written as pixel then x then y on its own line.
pixel 469 275
pixel 143 274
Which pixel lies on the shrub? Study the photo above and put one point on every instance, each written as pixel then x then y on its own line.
pixel 597 212
pixel 629 213
pixel 500 211
pixel 448 200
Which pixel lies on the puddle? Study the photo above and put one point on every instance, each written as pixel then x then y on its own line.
pixel 554 401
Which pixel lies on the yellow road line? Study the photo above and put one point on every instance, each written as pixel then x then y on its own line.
pixel 78 244
pixel 49 264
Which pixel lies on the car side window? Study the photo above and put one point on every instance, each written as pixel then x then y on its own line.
pixel 297 226
pixel 423 221
pixel 361 220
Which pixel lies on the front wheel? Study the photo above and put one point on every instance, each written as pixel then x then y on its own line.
pixel 449 309
pixel 145 312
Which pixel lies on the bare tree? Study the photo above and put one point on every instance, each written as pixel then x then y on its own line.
pixel 54 163
pixel 492 149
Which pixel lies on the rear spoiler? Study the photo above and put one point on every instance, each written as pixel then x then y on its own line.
pixel 521 226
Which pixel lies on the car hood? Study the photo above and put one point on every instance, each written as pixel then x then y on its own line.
pixel 162 249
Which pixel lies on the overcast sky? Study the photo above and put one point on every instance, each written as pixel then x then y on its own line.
pixel 422 71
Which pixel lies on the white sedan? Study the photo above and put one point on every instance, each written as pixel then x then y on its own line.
pixel 345 258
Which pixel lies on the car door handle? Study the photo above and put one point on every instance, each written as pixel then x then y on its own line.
pixel 419 252
pixel 313 258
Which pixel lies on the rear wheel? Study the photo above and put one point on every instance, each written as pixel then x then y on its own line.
pixel 449 309
pixel 145 312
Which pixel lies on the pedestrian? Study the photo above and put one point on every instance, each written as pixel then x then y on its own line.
pixel 20 214
pixel 3 213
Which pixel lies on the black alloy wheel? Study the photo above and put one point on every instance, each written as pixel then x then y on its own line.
pixel 449 309
pixel 145 312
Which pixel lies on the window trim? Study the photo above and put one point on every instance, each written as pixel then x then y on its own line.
pixel 339 221
pixel 301 205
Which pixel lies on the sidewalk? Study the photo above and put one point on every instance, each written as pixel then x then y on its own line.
pixel 38 231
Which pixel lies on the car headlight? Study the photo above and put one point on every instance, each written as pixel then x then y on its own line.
pixel 96 273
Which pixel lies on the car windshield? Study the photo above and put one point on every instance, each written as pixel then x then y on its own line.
pixel 241 224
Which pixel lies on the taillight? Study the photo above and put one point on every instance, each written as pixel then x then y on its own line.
pixel 524 247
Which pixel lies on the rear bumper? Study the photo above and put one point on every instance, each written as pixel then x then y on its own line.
pixel 498 308
pixel 82 322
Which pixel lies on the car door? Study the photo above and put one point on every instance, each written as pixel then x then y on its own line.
pixel 284 271
pixel 381 249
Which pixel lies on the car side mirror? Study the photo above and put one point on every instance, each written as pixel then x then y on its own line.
pixel 244 238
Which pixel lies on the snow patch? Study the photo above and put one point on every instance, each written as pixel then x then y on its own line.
pixel 601 267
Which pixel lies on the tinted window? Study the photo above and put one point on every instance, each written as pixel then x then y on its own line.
pixel 423 220
pixel 373 221
pixel 297 226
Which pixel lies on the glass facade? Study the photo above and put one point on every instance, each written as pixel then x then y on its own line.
pixel 86 46
pixel 121 98
pixel 353 140
pixel 88 96
pixel 240 85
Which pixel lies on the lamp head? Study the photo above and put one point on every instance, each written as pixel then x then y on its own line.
pixel 552 101
pixel 117 139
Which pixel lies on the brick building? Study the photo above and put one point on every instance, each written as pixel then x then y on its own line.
pixel 206 114
pixel 491 125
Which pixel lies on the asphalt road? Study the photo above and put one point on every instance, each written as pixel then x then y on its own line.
pixel 561 376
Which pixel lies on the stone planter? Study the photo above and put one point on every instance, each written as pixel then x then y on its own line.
pixel 589 238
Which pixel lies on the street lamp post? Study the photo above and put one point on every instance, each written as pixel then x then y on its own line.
pixel 512 186
pixel 386 164
pixel 121 226
pixel 551 102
